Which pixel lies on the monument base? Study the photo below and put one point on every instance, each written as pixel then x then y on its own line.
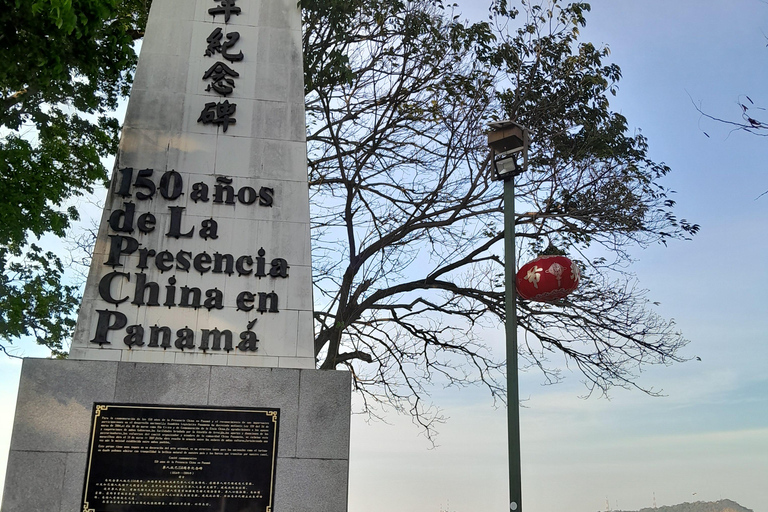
pixel 52 426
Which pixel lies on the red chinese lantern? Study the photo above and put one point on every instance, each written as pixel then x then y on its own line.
pixel 547 278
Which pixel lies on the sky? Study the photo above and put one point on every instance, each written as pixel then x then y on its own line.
pixel 707 437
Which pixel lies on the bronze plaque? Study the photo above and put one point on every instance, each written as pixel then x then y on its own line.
pixel 156 458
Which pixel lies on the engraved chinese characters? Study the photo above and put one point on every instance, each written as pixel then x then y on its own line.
pixel 215 44
pixel 218 113
pixel 220 76
pixel 227 8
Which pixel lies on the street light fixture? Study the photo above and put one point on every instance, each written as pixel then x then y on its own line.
pixel 509 140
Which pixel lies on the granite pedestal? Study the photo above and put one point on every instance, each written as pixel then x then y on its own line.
pixel 47 460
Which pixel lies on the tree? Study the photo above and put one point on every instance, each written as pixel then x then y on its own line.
pixel 407 222
pixel 66 63
pixel 750 121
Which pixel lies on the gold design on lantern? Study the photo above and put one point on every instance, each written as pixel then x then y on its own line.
pixel 534 276
pixel 556 270
pixel 575 272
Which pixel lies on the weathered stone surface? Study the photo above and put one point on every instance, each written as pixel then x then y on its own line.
pixel 162 384
pixel 34 481
pixel 268 387
pixel 311 485
pixel 55 401
pixel 72 490
pixel 323 433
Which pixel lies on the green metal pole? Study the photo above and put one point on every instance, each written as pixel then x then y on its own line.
pixel 513 394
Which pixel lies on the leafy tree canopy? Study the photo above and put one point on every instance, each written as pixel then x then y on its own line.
pixel 66 63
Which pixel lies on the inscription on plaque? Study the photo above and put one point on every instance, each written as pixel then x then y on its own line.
pixel 145 458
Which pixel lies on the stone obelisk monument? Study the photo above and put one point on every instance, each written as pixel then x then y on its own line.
pixel 190 384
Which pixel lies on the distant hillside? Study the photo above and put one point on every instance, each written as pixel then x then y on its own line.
pixel 699 506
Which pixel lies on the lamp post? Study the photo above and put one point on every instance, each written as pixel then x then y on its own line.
pixel 507 141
